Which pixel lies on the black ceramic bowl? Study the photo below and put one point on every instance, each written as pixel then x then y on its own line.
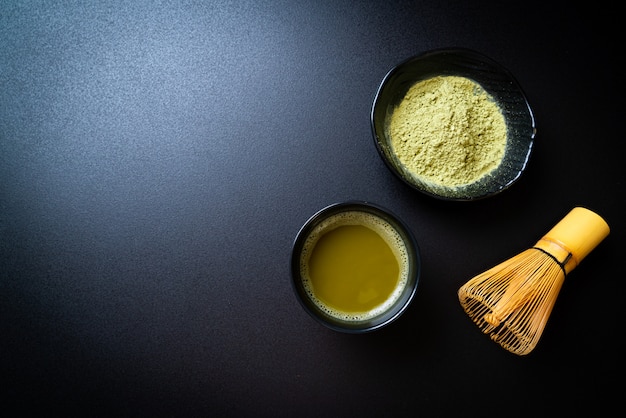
pixel 495 80
pixel 326 220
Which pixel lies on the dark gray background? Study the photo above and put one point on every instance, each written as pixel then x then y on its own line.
pixel 158 158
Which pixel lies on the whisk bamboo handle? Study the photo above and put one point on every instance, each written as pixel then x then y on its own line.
pixel 574 237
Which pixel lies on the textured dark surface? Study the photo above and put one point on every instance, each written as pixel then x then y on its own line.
pixel 157 160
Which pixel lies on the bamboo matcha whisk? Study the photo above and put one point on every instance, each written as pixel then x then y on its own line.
pixel 512 301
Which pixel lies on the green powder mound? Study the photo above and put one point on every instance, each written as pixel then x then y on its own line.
pixel 448 131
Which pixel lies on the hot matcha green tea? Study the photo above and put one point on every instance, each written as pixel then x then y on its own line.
pixel 354 265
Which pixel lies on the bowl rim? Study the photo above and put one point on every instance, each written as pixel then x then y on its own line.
pixel 476 58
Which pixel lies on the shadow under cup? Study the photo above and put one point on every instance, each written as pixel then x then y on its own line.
pixel 391 230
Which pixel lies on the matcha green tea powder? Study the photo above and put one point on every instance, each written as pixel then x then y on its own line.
pixel 448 131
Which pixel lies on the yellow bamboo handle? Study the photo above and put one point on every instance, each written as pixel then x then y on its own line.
pixel 574 237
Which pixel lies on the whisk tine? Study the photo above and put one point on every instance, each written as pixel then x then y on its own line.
pixel 512 301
